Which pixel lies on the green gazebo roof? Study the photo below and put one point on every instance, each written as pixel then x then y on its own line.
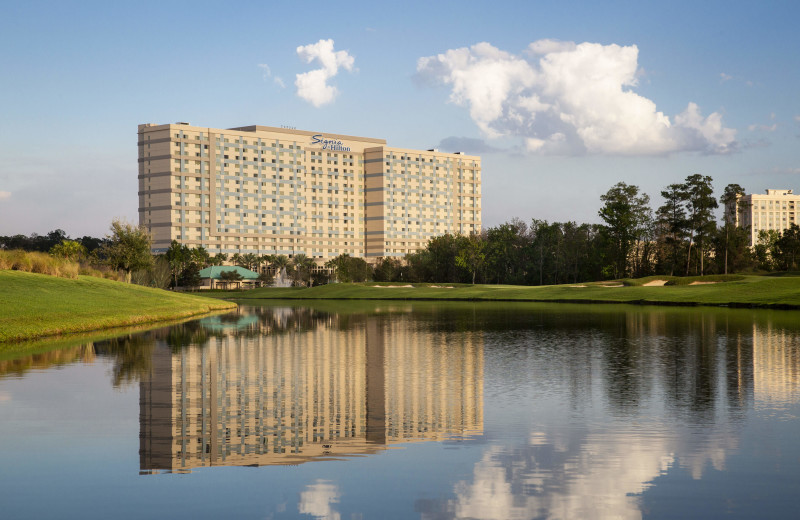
pixel 214 271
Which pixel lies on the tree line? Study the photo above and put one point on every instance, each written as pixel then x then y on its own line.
pixel 679 238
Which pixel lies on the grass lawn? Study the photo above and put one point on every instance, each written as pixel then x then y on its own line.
pixel 744 291
pixel 37 305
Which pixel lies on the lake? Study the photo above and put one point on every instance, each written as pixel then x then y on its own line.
pixel 428 410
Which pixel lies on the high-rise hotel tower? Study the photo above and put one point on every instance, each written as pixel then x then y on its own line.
pixel 267 190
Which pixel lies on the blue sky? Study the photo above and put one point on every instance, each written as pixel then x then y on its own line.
pixel 603 95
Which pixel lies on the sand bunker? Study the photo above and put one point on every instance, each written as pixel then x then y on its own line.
pixel 655 283
pixel 394 286
pixel 614 285
pixel 702 283
pixel 440 286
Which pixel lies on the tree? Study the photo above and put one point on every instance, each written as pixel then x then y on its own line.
pixel 730 202
pixel 765 249
pixel 505 248
pixel 627 218
pixel 673 225
pixel 228 277
pixel 700 204
pixel 219 259
pixel 190 276
pixel 388 269
pixel 128 248
pixel 788 248
pixel 280 263
pixel 200 256
pixel 178 256
pixel 301 270
pixel 265 278
pixel 161 273
pixel 70 250
pixel 248 261
pixel 349 269
pixel 471 254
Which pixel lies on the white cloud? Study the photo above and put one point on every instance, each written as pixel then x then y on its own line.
pixel 316 500
pixel 313 85
pixel 797 118
pixel 5 195
pixel 268 74
pixel 567 98
pixel 724 77
pixel 763 128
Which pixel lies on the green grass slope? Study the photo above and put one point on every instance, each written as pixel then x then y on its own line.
pixel 744 291
pixel 36 305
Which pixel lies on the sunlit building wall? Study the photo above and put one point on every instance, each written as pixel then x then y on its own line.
pixel 267 190
pixel 774 210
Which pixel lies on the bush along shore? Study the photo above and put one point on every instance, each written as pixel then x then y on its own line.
pixel 37 305
pixel 719 290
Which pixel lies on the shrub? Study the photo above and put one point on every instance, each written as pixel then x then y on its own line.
pixel 41 263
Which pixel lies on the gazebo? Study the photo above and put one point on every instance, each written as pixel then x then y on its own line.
pixel 211 277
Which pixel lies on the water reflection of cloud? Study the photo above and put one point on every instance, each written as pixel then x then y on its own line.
pixel 317 500
pixel 567 474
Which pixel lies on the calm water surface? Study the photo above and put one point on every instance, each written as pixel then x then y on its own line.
pixel 396 410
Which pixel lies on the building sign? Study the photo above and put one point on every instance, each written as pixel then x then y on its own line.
pixel 329 144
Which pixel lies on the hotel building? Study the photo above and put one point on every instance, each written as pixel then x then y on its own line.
pixel 776 210
pixel 267 190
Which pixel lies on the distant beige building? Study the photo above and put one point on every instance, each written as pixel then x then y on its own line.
pixel 266 190
pixel 776 210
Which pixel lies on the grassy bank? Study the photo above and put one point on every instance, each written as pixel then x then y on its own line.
pixel 738 291
pixel 35 305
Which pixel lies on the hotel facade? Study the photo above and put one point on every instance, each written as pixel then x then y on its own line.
pixel 774 210
pixel 267 190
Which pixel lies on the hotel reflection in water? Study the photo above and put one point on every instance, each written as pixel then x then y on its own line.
pixel 299 395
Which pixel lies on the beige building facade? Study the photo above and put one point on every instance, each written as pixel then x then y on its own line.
pixel 268 190
pixel 774 210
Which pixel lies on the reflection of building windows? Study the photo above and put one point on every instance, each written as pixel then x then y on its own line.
pixel 280 398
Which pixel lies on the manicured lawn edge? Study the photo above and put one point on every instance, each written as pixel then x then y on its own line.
pixel 741 291
pixel 35 306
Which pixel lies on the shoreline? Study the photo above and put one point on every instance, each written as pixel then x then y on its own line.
pixel 756 292
pixel 41 307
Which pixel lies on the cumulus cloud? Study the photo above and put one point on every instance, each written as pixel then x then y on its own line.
pixel 763 128
pixel 5 195
pixel 313 85
pixel 571 99
pixel 724 77
pixel 267 73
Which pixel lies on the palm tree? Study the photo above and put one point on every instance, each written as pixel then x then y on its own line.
pixel 201 256
pixel 266 260
pixel 302 266
pixel 279 263
pixel 249 261
pixel 219 259
pixel 236 259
